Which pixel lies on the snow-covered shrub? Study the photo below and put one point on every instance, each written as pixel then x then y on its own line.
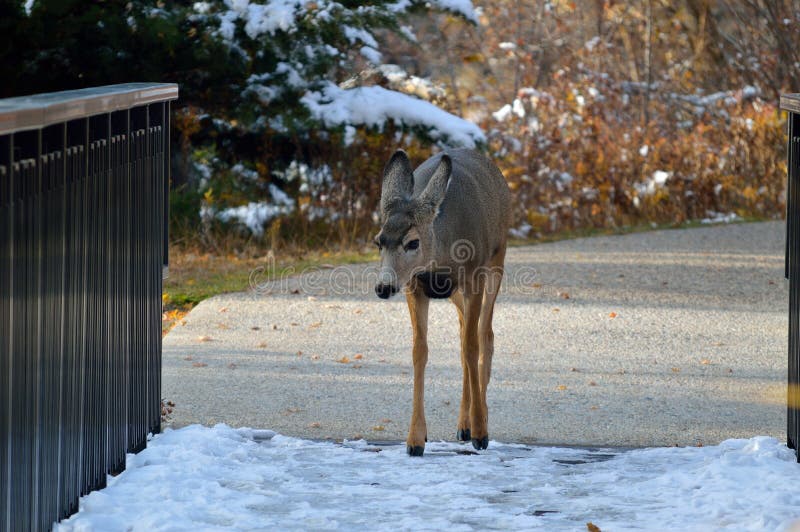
pixel 300 124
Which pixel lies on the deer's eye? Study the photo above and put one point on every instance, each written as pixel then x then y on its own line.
pixel 413 244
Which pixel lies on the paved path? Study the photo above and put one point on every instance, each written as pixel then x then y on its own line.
pixel 695 351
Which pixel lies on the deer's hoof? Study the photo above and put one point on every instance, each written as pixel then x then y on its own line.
pixel 480 443
pixel 463 435
pixel 415 450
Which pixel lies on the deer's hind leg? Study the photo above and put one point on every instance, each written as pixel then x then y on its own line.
pixel 418 309
pixel 493 277
pixel 470 352
pixel 463 432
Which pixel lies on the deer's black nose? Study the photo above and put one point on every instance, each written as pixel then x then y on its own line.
pixel 385 291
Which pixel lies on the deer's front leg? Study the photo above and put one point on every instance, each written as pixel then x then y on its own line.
pixel 470 350
pixel 463 432
pixel 418 308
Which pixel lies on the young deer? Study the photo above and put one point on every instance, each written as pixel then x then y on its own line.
pixel 443 235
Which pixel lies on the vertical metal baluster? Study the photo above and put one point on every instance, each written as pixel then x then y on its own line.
pixel 6 276
pixel 793 198
pixel 60 250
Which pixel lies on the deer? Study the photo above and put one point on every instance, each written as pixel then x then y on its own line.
pixel 443 235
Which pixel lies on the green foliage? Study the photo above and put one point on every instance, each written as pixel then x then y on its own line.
pixel 243 67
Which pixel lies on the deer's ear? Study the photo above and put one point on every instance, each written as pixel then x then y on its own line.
pixel 398 181
pixel 431 199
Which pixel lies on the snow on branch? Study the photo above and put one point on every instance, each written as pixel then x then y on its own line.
pixel 462 8
pixel 459 7
pixel 374 106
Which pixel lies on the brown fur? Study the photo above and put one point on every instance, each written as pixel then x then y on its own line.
pixel 458 199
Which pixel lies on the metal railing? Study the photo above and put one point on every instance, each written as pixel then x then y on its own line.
pixel 791 103
pixel 84 179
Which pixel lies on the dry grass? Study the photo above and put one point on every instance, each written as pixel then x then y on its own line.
pixel 195 276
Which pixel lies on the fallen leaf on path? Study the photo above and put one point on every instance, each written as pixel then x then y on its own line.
pixel 358 356
pixel 299 353
pixel 255 328
pixel 564 295
pixel 591 527
pixel 314 425
pixel 386 420
pixel 356 366
pixel 612 315
pixel 343 360
pixel 556 310
pixel 199 364
pixel 561 387
pixel 262 345
pixel 378 428
pixel 536 285
pixel 592 383
pixel 314 357
pixel 223 309
pixel 705 362
pixel 204 339
pixel 676 370
pixel 188 357
pixel 315 325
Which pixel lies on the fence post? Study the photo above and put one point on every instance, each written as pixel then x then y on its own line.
pixel 791 103
pixel 84 182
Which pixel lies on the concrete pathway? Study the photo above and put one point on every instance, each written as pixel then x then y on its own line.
pixel 649 339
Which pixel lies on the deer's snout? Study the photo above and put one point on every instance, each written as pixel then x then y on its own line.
pixel 385 291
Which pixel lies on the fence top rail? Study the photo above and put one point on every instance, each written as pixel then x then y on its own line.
pixel 790 102
pixel 41 110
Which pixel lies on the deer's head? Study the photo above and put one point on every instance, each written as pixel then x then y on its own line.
pixel 406 240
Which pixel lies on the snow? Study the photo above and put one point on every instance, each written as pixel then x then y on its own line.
pixel 714 217
pixel 502 114
pixel 267 18
pixel 459 7
pixel 656 181
pixel 371 54
pixel 374 106
pixel 200 478
pixel 360 34
pixel 255 214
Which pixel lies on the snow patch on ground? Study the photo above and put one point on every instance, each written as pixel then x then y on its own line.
pixel 714 217
pixel 200 478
